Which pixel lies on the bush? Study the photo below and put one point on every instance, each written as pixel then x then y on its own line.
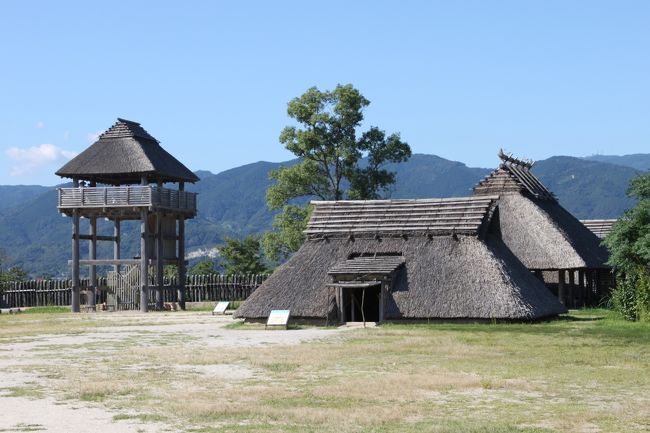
pixel 631 297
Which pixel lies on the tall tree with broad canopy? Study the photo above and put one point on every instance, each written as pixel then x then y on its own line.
pixel 243 256
pixel 629 247
pixel 336 163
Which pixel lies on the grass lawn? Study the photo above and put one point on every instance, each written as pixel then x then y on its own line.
pixel 587 372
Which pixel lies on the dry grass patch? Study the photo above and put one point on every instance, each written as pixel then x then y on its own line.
pixel 574 376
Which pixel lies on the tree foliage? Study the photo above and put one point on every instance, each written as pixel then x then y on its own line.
pixel 15 273
pixel 629 247
pixel 243 256
pixel 335 162
pixel 204 267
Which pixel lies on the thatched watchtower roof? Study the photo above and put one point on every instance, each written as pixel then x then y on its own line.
pixel 122 155
pixel 533 224
pixel 444 263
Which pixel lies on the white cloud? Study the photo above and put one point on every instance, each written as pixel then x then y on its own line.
pixel 31 158
pixel 40 124
pixel 93 136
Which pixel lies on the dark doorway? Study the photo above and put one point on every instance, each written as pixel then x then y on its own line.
pixel 360 306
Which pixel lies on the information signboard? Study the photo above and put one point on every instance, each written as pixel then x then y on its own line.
pixel 221 308
pixel 278 318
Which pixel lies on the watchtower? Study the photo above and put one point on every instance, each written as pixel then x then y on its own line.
pixel 120 177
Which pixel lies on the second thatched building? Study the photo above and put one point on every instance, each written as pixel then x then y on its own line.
pixel 403 259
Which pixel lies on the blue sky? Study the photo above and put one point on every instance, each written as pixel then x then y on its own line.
pixel 211 80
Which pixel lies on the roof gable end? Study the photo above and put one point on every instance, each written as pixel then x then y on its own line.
pixel 513 175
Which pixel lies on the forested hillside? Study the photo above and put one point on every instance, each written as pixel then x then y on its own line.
pixel 232 203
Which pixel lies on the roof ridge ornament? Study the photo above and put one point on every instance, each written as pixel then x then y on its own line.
pixel 507 157
pixel 124 128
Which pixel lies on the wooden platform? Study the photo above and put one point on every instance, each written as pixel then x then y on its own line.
pixel 125 201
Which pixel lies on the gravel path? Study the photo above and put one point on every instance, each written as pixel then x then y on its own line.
pixel 20 413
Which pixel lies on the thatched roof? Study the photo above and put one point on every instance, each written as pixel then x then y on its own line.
pixel 122 155
pixel 531 222
pixel 375 264
pixel 513 175
pixel 464 215
pixel 600 228
pixel 445 274
pixel 443 277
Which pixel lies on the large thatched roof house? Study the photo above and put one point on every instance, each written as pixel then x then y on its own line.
pixel 544 236
pixel 403 259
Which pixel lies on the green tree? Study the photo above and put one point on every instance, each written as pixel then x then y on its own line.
pixel 629 247
pixel 204 267
pixel 332 164
pixel 243 256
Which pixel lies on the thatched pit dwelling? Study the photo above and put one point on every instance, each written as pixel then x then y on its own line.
pixel 544 236
pixel 403 259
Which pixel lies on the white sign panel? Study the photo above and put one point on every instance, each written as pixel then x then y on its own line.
pixel 220 308
pixel 278 318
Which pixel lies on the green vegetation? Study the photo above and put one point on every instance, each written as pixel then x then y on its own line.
pixel 629 245
pixel 331 156
pixel 243 256
pixel 204 267
pixel 47 310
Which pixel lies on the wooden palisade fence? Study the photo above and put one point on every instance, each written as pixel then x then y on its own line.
pixel 199 288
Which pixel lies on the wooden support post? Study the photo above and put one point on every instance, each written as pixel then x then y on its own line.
pixel 144 259
pixel 571 289
pixel 92 255
pixel 182 273
pixel 159 262
pixel 116 243
pixel 75 256
pixel 589 288
pixel 561 290
pixel 581 288
pixel 598 289
pixel 339 303
pixel 382 300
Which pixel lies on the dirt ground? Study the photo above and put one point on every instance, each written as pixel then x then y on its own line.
pixel 22 410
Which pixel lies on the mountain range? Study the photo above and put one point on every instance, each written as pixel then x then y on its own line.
pixel 232 203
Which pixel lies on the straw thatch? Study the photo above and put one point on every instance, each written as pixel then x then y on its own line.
pixel 600 228
pixel 444 275
pixel 373 265
pixel 534 226
pixel 122 155
pixel 463 215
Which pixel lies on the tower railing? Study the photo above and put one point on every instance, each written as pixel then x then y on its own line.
pixel 126 196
